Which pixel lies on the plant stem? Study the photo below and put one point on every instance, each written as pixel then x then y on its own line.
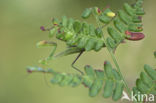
pixel 116 63
pixel 114 60
pixel 118 69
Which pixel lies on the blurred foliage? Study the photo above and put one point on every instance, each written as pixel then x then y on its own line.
pixel 19 31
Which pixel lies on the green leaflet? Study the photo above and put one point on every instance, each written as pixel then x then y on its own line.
pixel 114 34
pixel 108 89
pixel 89 71
pixel 86 13
pixel 99 74
pixel 108 69
pixel 137 19
pixel 135 91
pixel 95 84
pixel 153 91
pixel 140 11
pixel 138 4
pixel 90 44
pixel 146 83
pixel 117 93
pixel 87 81
pixel 151 72
pixel 89 78
pixel 66 80
pixel 116 75
pixel 57 78
pixel 111 43
pixel 82 42
pixel 141 86
pixel 99 32
pixel 99 45
pixel 77 80
pixel 104 19
pixel 85 28
pixel 135 27
pixel 77 26
pixel 130 11
pixel 124 17
pixel 95 88
pixel 146 80
pixel 92 30
pixel 121 27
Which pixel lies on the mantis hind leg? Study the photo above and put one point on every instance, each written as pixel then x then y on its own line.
pixel 75 62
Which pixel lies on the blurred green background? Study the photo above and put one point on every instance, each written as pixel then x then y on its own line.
pixel 19 31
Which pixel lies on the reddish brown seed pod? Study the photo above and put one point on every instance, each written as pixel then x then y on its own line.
pixel 134 36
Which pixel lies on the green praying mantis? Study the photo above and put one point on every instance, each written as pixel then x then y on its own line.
pixel 82 36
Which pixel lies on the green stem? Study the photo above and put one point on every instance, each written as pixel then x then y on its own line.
pixel 124 81
pixel 115 61
pixel 118 69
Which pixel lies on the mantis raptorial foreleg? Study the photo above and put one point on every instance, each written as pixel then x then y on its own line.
pixel 45 44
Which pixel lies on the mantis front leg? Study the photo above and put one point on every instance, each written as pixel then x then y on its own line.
pixel 45 44
pixel 50 57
